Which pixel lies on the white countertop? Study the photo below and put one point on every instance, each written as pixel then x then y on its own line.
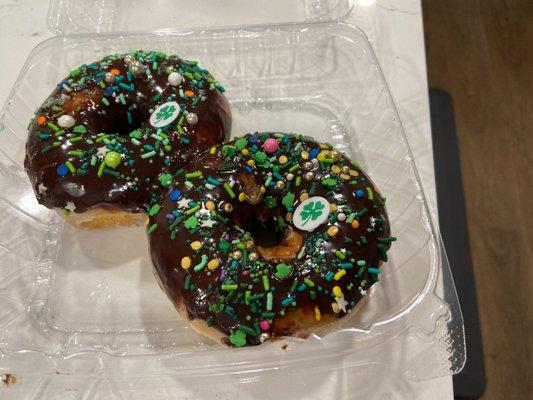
pixel 395 30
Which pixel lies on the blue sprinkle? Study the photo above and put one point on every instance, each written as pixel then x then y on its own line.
pixel 359 193
pixel 108 91
pixel 329 276
pixel 175 195
pixel 253 139
pixel 62 170
pixel 373 270
pixel 314 152
pixel 286 301
pixel 248 169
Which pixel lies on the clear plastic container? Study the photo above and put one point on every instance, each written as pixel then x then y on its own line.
pixel 81 309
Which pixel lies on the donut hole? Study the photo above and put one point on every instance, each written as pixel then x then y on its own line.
pixel 274 238
pixel 266 233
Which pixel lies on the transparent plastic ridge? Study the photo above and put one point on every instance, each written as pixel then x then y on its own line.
pixel 94 312
pixel 104 16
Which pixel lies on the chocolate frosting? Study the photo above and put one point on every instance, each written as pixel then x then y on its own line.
pixel 210 261
pixel 110 102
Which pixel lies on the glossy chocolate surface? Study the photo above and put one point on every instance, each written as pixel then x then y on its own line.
pixel 111 102
pixel 208 260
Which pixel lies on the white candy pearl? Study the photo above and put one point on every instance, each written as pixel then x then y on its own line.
pixel 66 121
pixel 341 217
pixel 192 119
pixel 290 176
pixel 175 79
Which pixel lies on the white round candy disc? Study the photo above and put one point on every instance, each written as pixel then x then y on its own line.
pixel 165 114
pixel 311 213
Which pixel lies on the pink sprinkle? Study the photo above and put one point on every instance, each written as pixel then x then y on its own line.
pixel 265 326
pixel 245 272
pixel 270 145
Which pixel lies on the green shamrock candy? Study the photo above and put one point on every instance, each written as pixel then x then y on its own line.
pixel 191 222
pixel 329 182
pixel 283 270
pixel 165 179
pixel 288 200
pixel 241 143
pixel 238 338
pixel 165 112
pixel 260 158
pixel 312 211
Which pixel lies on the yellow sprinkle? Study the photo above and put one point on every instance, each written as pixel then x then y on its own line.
pixel 283 159
pixel 214 263
pixel 335 307
pixel 332 231
pixel 262 189
pixel 250 162
pixel 304 196
pixel 321 156
pixel 242 196
pixel 196 245
pixel 354 172
pixel 210 205
pixel 304 155
pixel 339 274
pixel 345 177
pixel 318 314
pixel 337 292
pixel 288 217
pixel 336 169
pixel 333 207
pixel 213 150
pixel 185 262
pixel 323 146
pixel 245 152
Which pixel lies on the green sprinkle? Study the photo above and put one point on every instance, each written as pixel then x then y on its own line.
pixel 154 210
pixel 105 101
pixel 340 254
pixel 383 252
pixel 75 139
pixel 201 264
pixel 187 285
pixel 309 282
pixel 298 181
pixel 192 175
pixel 387 239
pixel 192 210
pixel 80 129
pixel 247 295
pixel 108 171
pixel 70 167
pixel 52 126
pixel 229 288
pixel 370 193
pixel 229 190
pixel 247 330
pixel 148 154
pixel 101 169
pixel 152 229
pixel 270 301
pixel 266 283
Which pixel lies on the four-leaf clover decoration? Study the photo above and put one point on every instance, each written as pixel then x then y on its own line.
pixel 311 211
pixel 165 112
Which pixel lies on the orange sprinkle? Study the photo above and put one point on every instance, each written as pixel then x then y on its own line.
pixel 115 72
pixel 189 93
pixel 355 224
pixel 41 119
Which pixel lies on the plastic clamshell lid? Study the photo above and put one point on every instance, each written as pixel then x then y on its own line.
pixel 77 16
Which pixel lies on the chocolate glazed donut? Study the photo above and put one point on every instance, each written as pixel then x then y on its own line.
pixel 268 235
pixel 113 132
